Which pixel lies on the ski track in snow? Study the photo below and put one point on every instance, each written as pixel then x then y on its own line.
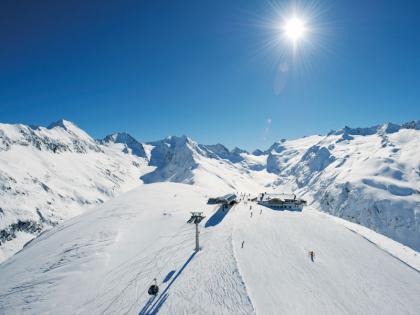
pixel 212 276
pixel 369 176
pixel 104 261
pixel 350 274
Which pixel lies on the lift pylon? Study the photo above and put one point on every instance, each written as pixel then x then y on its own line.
pixel 196 218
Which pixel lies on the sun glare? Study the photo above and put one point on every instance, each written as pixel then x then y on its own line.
pixel 295 32
pixel 294 29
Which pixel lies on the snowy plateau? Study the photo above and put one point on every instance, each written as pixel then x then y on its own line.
pixel 86 224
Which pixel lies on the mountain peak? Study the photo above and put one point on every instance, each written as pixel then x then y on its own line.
pixel 119 137
pixel 71 128
pixel 63 123
pixel 238 151
pixel 131 144
pixel 384 128
pixel 258 152
pixel 179 139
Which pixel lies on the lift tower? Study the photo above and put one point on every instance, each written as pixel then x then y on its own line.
pixel 196 218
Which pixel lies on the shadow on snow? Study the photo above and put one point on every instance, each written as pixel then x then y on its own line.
pixel 218 216
pixel 284 209
pixel 153 305
pixel 169 276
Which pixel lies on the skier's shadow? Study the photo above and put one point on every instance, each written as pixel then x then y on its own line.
pixel 153 305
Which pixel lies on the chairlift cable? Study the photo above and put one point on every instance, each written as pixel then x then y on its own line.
pixel 175 248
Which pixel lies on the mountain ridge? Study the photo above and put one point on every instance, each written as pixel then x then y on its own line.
pixel 365 175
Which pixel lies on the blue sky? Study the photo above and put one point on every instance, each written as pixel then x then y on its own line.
pixel 202 68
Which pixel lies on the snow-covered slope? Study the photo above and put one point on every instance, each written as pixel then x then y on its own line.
pixel 366 175
pixel 48 175
pixel 369 176
pixel 103 262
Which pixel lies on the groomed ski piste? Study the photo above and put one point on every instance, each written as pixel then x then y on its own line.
pixel 103 261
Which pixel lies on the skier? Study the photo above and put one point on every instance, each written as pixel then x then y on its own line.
pixel 260 211
pixel 243 244
pixel 312 255
pixel 251 214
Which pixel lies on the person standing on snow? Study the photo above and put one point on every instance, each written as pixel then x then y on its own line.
pixel 312 255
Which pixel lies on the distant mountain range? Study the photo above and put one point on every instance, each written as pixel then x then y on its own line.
pixel 369 175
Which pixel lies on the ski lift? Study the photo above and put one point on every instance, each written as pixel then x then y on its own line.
pixel 154 289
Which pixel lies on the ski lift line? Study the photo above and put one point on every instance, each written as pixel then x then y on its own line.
pixel 176 249
pixel 117 299
pixel 135 279
pixel 147 247
pixel 129 282
pixel 136 296
pixel 136 276
pixel 192 300
pixel 137 300
pixel 136 262
pixel 114 282
pixel 111 288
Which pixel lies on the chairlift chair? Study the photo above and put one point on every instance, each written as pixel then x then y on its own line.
pixel 154 289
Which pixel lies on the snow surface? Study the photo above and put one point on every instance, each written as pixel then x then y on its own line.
pixel 48 175
pixel 369 176
pixel 103 261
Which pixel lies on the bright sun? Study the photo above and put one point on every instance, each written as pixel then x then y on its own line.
pixel 294 29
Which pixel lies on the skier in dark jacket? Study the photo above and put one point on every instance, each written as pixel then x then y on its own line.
pixel 312 255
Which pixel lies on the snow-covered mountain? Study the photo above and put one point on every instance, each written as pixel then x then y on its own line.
pixel 174 158
pixel 131 145
pixel 366 175
pixel 220 151
pixel 182 160
pixel 369 176
pixel 48 175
